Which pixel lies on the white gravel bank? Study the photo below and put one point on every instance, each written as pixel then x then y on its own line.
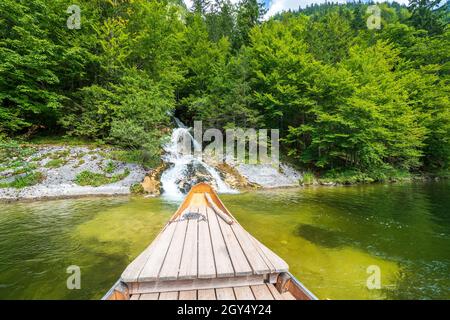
pixel 59 182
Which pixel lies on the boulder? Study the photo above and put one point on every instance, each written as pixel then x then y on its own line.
pixel 194 173
pixel 151 183
pixel 233 178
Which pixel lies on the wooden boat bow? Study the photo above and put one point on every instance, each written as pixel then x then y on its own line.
pixel 204 253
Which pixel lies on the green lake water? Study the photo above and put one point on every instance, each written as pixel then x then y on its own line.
pixel 328 235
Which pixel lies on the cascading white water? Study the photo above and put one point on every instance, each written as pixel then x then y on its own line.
pixel 179 157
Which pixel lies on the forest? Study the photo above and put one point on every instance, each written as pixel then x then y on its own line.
pixel 346 98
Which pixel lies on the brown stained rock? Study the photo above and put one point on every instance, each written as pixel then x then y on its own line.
pixel 152 183
pixel 233 178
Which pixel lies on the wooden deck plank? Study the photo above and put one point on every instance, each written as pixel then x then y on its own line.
pixel 243 293
pixel 188 266
pixel 222 260
pixel 194 258
pixel 149 296
pixel 206 294
pixel 225 294
pixel 262 254
pixel 261 292
pixel 276 295
pixel 255 260
pixel 197 284
pixel 173 295
pixel 134 269
pixel 188 295
pixel 151 269
pixel 206 264
pixel 279 264
pixel 171 265
pixel 237 256
pixel 288 296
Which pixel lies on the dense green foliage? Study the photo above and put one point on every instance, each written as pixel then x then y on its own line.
pixel 343 96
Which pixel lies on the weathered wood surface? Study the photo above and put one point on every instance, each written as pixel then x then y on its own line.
pixel 149 296
pixel 201 245
pixel 189 259
pixel 222 259
pixel 206 263
pixel 188 295
pixel 243 293
pixel 256 292
pixel 169 295
pixel 191 284
pixel 206 294
pixel 198 247
pixel 261 292
pixel 225 294
pixel 225 217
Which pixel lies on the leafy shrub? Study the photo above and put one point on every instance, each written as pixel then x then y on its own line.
pixel 138 156
pixel 88 178
pixel 55 163
pixel 110 167
pixel 10 149
pixel 307 178
pixel 355 176
pixel 346 177
pixel 27 180
pixel 137 188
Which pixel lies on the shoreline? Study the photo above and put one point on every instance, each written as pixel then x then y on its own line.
pixel 64 197
pixel 421 179
pixel 68 172
pixel 49 172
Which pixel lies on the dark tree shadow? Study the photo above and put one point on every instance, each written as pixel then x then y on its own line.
pixel 320 236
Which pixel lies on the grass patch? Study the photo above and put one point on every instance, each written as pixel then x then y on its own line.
pixel 80 155
pixel 13 165
pixel 110 167
pixel 59 154
pixel 10 149
pixel 60 140
pixel 355 176
pixel 80 162
pixel 55 163
pixel 19 167
pixel 39 158
pixel 28 167
pixel 28 180
pixel 88 178
pixel 307 178
pixel 346 177
pixel 137 188
pixel 134 156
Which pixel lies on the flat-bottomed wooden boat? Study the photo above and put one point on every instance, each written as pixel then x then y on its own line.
pixel 203 253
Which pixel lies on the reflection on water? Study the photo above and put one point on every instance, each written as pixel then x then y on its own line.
pixel 329 236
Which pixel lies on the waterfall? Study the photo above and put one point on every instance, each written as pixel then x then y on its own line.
pixel 184 169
